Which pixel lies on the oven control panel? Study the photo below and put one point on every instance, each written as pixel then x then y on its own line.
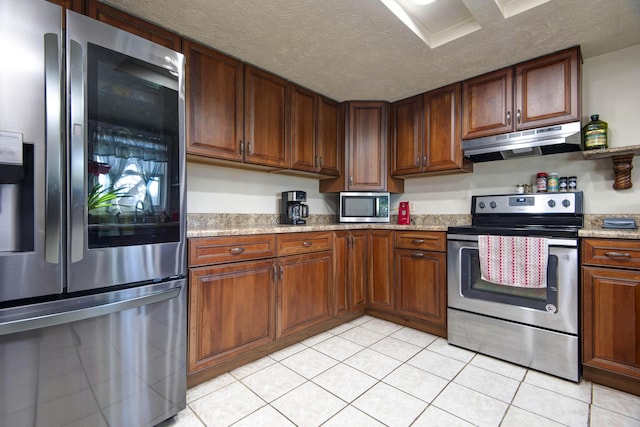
pixel 538 203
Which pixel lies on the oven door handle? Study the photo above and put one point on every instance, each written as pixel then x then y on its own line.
pixel 571 243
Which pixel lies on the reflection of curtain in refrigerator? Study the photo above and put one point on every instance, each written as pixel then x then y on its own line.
pixel 149 170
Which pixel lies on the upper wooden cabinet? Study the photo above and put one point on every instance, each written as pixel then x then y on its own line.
pixel 267 102
pixel 234 111
pixel 366 148
pixel 540 92
pixel 133 25
pixel 426 134
pixel 315 133
pixel 75 5
pixel 214 103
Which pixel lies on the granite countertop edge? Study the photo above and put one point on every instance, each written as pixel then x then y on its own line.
pixel 266 229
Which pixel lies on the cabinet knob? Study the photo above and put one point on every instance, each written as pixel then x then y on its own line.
pixel 508 118
pixel 417 161
pixel 249 148
pixel 424 161
pixel 518 115
pixel 241 147
pixel 236 250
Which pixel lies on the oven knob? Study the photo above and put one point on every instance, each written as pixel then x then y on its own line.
pixel 482 205
pixel 566 203
pixel 493 205
pixel 551 203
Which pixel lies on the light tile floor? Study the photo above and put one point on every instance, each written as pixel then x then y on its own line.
pixel 370 372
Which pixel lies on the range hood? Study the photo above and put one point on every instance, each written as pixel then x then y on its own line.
pixel 532 142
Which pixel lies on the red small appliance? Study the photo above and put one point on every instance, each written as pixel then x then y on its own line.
pixel 403 214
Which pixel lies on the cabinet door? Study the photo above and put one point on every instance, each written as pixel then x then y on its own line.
pixel 214 103
pixel 330 136
pixel 420 285
pixel 341 264
pixel 367 146
pixel 487 104
pixel 133 25
pixel 267 105
pixel 230 310
pixel 75 5
pixel 304 156
pixel 358 271
pixel 304 291
pixel 548 90
pixel 407 136
pixel 380 267
pixel 443 135
pixel 611 322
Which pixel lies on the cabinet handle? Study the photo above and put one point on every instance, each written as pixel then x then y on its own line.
pixel 518 116
pixel 424 161
pixel 281 272
pixel 241 147
pixel 618 254
pixel 508 118
pixel 307 244
pixel 275 273
pixel 249 148
pixel 350 180
pixel 417 255
pixel 417 161
pixel 417 241
pixel 236 251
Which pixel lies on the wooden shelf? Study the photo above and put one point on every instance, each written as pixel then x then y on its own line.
pixel 622 158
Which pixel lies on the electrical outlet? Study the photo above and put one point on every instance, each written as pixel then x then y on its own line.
pixel 412 206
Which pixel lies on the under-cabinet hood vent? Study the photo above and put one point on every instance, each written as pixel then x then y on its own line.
pixel 533 142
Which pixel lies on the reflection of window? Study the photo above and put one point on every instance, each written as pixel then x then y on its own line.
pixel 142 181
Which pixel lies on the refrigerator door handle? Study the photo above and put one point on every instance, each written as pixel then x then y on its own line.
pixel 53 319
pixel 53 147
pixel 78 162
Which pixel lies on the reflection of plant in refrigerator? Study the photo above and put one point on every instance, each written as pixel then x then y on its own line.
pixel 100 197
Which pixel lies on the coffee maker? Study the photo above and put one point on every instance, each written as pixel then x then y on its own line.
pixel 292 208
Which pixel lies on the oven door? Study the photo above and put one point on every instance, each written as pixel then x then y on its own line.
pixel 554 307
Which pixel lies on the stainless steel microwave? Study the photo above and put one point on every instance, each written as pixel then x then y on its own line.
pixel 364 207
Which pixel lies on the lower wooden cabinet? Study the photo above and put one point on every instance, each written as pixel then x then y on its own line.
pixel 380 270
pixel 611 313
pixel 230 310
pixel 304 291
pixel 350 271
pixel 420 285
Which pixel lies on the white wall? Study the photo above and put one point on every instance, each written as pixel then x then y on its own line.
pixel 610 87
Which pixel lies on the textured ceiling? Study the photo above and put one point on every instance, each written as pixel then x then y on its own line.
pixel 359 50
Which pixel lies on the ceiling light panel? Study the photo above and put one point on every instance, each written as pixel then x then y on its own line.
pixel 510 8
pixel 436 23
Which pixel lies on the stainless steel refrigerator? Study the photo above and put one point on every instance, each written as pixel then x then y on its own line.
pixel 92 222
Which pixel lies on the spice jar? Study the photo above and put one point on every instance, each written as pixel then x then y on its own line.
pixel 520 188
pixel 541 182
pixel 573 183
pixel 563 184
pixel 552 182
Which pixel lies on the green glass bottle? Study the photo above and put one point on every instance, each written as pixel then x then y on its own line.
pixel 595 134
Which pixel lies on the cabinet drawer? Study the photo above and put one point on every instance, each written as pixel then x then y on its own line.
pixel 611 252
pixel 216 250
pixel 299 243
pixel 422 240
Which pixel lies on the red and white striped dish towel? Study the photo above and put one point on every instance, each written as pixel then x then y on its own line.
pixel 514 261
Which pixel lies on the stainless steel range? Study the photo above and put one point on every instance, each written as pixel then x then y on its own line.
pixel 532 325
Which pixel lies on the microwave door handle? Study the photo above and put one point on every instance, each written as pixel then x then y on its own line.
pixel 377 214
pixel 53 147
pixel 77 167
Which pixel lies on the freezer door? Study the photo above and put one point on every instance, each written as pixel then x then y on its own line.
pixel 31 120
pixel 115 359
pixel 126 155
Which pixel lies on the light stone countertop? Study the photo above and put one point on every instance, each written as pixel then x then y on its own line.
pixel 212 225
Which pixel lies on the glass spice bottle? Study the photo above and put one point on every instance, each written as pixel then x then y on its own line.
pixel 541 182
